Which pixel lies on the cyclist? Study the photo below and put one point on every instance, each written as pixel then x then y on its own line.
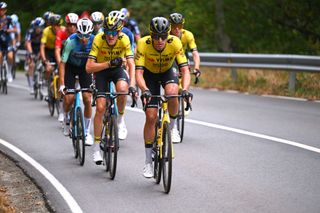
pixel 63 33
pixel 6 28
pixel 73 62
pixel 132 25
pixel 46 17
pixel 16 37
pixel 32 43
pixel 105 60
pixel 154 60
pixel 47 47
pixel 97 20
pixel 186 37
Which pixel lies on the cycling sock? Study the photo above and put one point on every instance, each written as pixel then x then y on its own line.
pixel 173 122
pixel 96 147
pixel 66 119
pixel 148 155
pixel 61 106
pixel 97 139
pixel 30 78
pixel 120 118
pixel 87 122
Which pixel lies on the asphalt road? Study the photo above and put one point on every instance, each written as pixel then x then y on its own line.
pixel 253 154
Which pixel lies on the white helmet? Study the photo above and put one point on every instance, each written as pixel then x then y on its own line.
pixel 84 26
pixel 72 18
pixel 97 17
pixel 14 18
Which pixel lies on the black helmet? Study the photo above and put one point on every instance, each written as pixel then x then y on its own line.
pixel 55 19
pixel 176 18
pixel 159 25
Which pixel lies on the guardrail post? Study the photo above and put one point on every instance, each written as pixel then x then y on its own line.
pixel 292 81
pixel 234 74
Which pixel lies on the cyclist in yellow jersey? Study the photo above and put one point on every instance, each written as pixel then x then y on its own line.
pixel 108 51
pixel 48 42
pixel 186 37
pixel 154 59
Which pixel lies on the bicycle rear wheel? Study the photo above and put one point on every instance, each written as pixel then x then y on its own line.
pixel 166 157
pixel 80 136
pixel 180 118
pixel 35 85
pixel 4 77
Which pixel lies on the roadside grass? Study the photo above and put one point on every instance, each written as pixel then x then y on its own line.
pixel 261 82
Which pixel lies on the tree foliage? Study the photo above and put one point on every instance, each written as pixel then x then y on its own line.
pixel 269 26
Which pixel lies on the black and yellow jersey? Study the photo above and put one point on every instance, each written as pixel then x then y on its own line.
pixel 188 41
pixel 101 51
pixel 159 62
pixel 49 37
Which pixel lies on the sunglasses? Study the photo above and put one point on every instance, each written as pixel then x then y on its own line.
pixel 180 26
pixel 158 36
pixel 81 36
pixel 111 32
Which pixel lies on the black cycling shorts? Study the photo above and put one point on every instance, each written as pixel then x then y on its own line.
pixel 50 55
pixel 107 75
pixel 71 71
pixel 154 80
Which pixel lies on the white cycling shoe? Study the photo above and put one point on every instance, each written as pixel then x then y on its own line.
pixel 175 136
pixel 97 157
pixel 89 140
pixel 148 170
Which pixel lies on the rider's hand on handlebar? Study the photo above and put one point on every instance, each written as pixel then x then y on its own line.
pixel 197 73
pixel 145 97
pixel 117 62
pixel 62 89
pixel 188 96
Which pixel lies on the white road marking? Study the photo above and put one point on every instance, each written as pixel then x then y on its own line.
pixel 73 205
pixel 244 132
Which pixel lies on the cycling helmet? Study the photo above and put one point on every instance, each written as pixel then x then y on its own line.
pixel 176 18
pixel 126 13
pixel 84 26
pixel 55 19
pixel 47 15
pixel 97 17
pixel 113 21
pixel 159 25
pixel 38 22
pixel 14 18
pixel 3 5
pixel 71 18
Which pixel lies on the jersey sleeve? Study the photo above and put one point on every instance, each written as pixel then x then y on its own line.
pixel 140 55
pixel 59 39
pixel 44 37
pixel 93 54
pixel 127 46
pixel 180 56
pixel 191 42
pixel 69 45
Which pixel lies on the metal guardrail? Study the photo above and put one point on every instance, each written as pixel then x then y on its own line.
pixel 291 63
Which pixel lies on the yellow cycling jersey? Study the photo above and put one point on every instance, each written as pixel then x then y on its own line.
pixel 159 62
pixel 101 51
pixel 187 40
pixel 48 37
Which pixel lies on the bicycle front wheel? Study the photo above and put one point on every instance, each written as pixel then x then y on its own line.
pixel 166 157
pixel 113 145
pixel 51 101
pixel 157 164
pixel 80 134
pixel 180 118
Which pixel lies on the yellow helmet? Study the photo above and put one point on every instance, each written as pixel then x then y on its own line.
pixel 113 21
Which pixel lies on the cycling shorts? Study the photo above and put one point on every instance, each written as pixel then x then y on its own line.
pixel 111 74
pixel 154 80
pixel 85 79
pixel 50 55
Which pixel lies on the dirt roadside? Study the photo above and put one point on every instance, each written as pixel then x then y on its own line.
pixel 17 191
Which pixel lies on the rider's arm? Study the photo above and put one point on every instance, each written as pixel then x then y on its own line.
pixel 28 46
pixel 185 77
pixel 62 67
pixel 140 80
pixel 196 59
pixel 57 54
pixel 42 52
pixel 93 66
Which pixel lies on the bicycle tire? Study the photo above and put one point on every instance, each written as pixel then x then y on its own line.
pixel 157 165
pixel 80 135
pixel 113 146
pixel 5 80
pixel 180 118
pixel 166 157
pixel 73 136
pixel 103 143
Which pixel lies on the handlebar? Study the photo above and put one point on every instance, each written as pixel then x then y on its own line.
pixel 112 95
pixel 164 98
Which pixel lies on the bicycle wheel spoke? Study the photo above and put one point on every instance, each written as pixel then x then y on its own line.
pixel 166 157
